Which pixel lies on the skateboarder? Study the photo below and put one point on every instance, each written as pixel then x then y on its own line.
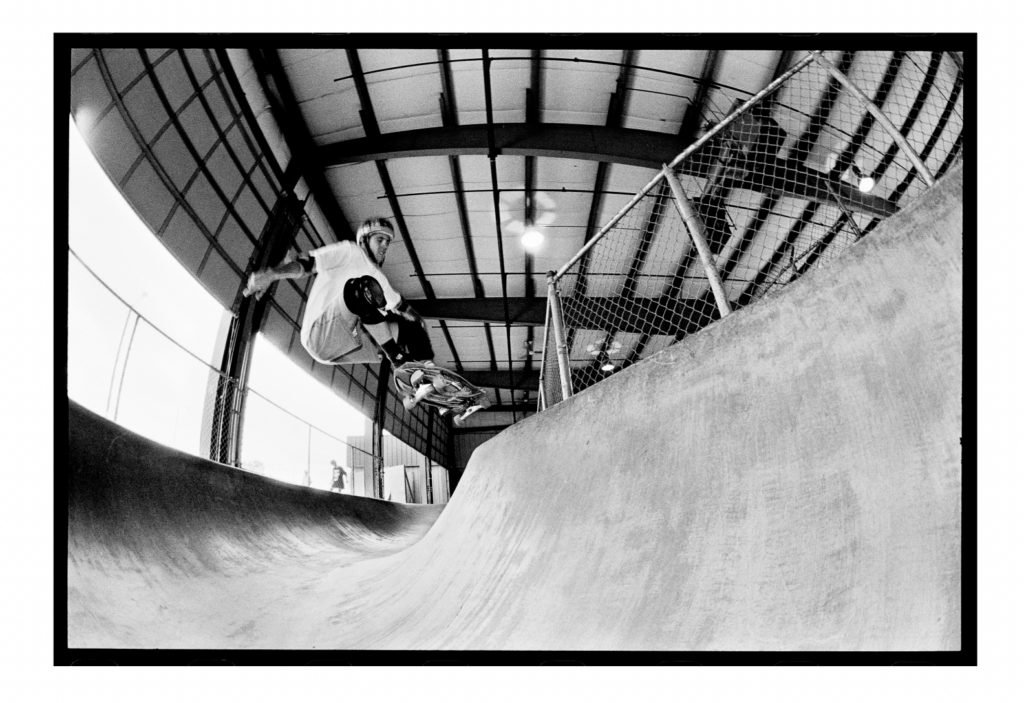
pixel 352 305
pixel 352 302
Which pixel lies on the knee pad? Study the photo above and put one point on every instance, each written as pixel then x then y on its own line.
pixel 365 298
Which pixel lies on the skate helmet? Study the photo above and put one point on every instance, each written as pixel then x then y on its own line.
pixel 375 225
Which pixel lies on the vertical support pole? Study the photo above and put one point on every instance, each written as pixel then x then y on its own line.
pixel 277 235
pixel 429 463
pixel 696 229
pixel 378 428
pixel 542 400
pixel 378 462
pixel 556 322
pixel 119 362
pixel 124 368
pixel 309 455
pixel 879 115
pixel 430 481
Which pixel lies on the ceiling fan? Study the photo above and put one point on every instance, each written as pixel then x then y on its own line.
pixel 604 353
pixel 513 208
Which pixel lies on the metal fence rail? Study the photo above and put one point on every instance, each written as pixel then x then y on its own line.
pixel 780 184
pixel 184 402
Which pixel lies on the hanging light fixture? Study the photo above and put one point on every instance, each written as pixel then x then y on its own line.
pixel 532 239
pixel 607 366
pixel 603 356
pixel 865 183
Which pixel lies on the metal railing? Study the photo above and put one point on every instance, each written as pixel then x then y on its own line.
pixel 780 184
pixel 137 375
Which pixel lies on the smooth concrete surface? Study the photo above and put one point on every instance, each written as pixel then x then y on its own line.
pixel 788 479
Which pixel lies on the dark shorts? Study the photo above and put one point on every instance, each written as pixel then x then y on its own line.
pixel 412 338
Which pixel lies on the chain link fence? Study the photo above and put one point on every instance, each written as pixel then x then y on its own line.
pixel 775 186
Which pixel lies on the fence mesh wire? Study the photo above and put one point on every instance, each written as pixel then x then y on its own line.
pixel 633 293
pixel 788 186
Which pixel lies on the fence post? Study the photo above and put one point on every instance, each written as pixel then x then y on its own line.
pixel 696 229
pixel 124 366
pixel 556 323
pixel 879 115
pixel 542 401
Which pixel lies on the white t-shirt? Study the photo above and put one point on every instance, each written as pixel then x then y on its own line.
pixel 329 329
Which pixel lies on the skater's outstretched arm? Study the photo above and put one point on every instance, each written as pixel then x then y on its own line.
pixel 408 312
pixel 260 280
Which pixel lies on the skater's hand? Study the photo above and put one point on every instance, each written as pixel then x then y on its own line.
pixel 408 312
pixel 259 281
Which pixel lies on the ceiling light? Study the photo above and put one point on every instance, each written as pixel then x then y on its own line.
pixel 608 366
pixel 532 239
pixel 864 183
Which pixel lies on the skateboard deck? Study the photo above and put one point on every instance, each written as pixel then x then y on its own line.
pixel 439 387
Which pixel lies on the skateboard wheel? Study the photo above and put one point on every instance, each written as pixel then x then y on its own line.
pixel 409 403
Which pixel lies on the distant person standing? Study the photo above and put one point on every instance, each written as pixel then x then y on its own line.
pixel 338 480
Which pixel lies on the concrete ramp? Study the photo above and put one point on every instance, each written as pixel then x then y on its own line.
pixel 788 479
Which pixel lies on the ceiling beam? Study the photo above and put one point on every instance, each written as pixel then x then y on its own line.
pixel 450 118
pixel 819 119
pixel 514 380
pixel 238 93
pixel 933 140
pixel 492 155
pixel 613 120
pixel 515 408
pixel 849 155
pixel 533 99
pixel 688 130
pixel 659 315
pixel 591 143
pixel 767 103
pixel 285 108
pixel 573 141
pixel 526 311
pixel 804 144
pixel 753 288
pixel 477 429
pixel 370 126
pixel 616 110
pixel 922 94
pixel 690 126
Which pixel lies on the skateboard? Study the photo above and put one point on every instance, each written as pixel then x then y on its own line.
pixel 439 387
